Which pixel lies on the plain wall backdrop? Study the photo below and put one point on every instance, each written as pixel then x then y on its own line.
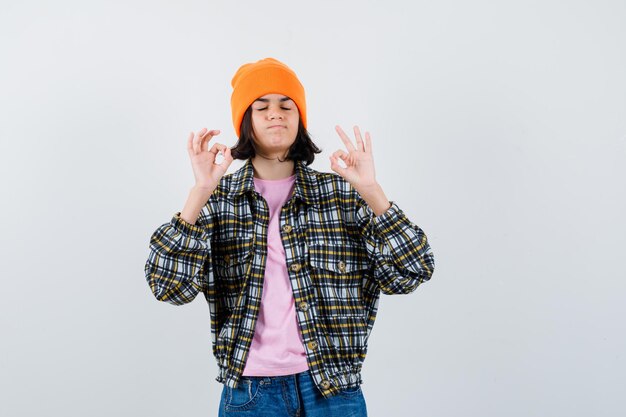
pixel 499 127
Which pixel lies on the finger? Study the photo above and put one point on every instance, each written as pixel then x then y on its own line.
pixel 223 150
pixel 207 138
pixel 204 140
pixel 346 140
pixel 359 139
pixel 334 165
pixel 368 142
pixel 347 158
pixel 341 154
pixel 217 148
pixel 199 134
pixel 228 157
pixel 197 139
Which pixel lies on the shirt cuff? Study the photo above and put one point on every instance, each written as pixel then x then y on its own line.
pixel 387 220
pixel 188 229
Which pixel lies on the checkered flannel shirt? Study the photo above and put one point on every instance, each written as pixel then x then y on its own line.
pixel 339 256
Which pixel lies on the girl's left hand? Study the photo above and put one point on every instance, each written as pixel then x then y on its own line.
pixel 359 170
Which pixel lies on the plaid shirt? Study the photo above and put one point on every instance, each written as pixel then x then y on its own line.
pixel 339 256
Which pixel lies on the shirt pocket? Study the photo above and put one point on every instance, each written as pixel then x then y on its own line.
pixel 338 270
pixel 232 261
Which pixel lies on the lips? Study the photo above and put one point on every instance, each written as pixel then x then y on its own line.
pixel 275 126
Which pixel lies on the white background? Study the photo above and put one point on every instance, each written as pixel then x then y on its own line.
pixel 498 127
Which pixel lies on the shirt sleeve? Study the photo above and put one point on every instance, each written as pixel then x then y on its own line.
pixel 399 249
pixel 180 258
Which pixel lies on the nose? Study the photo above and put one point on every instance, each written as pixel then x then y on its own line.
pixel 274 114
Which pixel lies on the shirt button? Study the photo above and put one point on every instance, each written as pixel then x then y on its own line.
pixel 227 259
pixel 303 305
pixel 325 384
pixel 287 228
pixel 342 266
pixel 312 345
pixel 295 267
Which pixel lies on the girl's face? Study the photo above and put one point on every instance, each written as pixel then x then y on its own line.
pixel 275 120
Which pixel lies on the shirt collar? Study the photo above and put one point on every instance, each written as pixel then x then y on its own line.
pixel 306 187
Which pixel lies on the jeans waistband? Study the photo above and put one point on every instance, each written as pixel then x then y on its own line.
pixel 269 379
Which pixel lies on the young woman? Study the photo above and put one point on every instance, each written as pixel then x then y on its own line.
pixel 291 261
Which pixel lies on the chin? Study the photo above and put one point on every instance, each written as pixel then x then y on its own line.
pixel 281 140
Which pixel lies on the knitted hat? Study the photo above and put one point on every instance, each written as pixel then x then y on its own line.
pixel 265 76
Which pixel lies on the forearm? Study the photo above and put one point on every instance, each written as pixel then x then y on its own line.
pixel 195 201
pixel 375 198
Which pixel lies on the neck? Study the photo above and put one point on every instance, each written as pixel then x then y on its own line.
pixel 272 169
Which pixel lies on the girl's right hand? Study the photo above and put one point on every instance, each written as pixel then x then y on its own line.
pixel 205 170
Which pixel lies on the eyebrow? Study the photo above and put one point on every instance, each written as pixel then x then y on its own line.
pixel 265 100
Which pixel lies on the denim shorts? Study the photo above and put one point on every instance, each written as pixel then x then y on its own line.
pixel 289 395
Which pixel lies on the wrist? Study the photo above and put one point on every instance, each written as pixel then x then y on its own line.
pixel 369 188
pixel 202 190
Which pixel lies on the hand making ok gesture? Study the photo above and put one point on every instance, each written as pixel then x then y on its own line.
pixel 359 170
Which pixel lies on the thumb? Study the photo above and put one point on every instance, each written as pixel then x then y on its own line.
pixel 334 165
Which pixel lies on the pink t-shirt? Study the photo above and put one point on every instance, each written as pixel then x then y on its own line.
pixel 277 346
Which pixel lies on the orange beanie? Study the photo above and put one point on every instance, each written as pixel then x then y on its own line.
pixel 265 76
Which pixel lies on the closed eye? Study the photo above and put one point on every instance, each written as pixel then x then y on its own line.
pixel 265 108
